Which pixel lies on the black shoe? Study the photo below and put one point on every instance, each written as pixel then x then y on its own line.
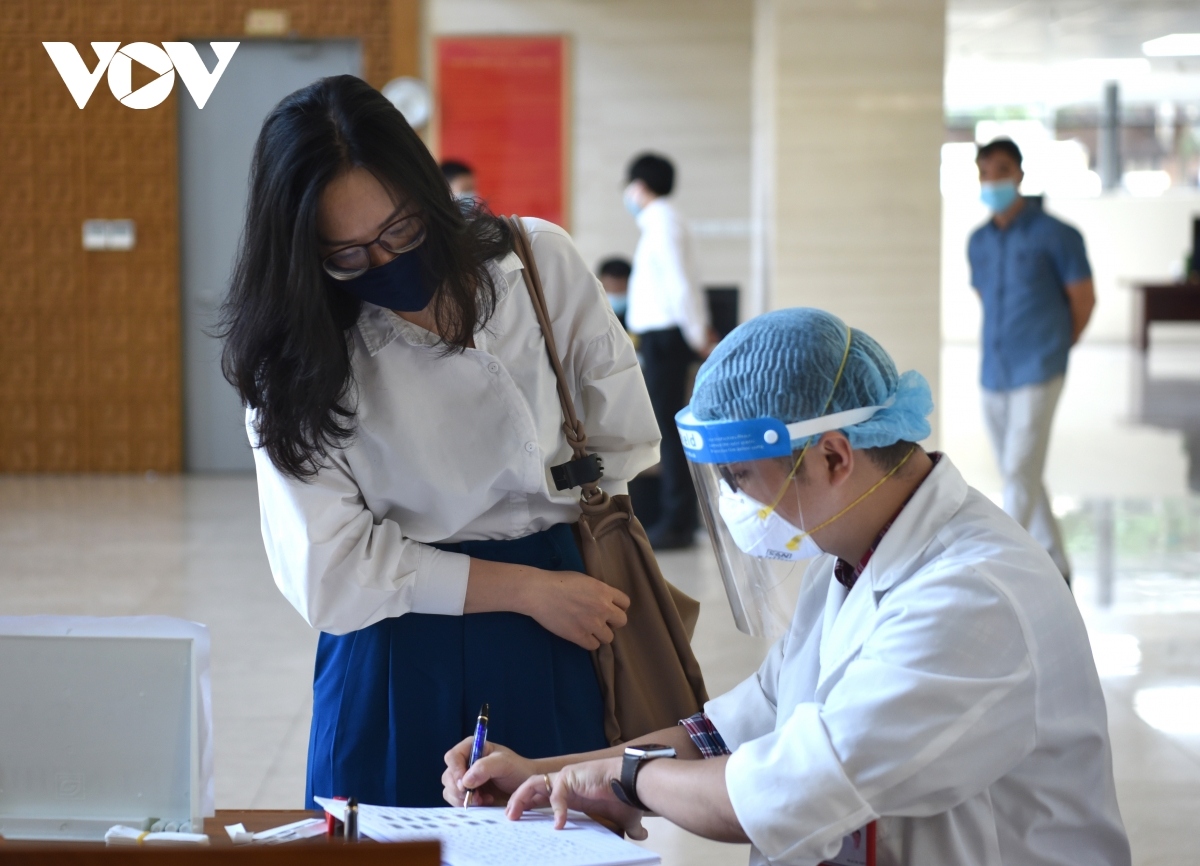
pixel 662 538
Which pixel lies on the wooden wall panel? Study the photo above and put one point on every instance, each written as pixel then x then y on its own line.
pixel 90 376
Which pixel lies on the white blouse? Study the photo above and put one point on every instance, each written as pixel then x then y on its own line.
pixel 455 447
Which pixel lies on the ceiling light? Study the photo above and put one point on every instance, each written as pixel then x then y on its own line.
pixel 1175 45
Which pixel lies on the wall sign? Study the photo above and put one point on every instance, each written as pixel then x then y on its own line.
pixel 502 109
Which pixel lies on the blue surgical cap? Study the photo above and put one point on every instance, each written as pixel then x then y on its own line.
pixel 784 365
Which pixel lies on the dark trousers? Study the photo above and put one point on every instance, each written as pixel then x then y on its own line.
pixel 666 357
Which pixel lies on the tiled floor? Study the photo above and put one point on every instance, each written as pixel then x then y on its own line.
pixel 190 547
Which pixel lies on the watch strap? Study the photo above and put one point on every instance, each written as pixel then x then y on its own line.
pixel 619 790
pixel 630 764
pixel 626 788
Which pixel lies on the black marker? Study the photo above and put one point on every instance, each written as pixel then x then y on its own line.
pixel 352 820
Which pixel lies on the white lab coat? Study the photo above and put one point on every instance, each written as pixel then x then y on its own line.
pixel 951 694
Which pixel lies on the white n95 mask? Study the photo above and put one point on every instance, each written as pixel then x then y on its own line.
pixel 758 530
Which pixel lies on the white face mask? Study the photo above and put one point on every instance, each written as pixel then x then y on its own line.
pixel 759 531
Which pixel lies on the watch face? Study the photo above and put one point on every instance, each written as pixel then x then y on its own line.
pixel 650 750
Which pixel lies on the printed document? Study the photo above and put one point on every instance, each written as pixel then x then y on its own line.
pixel 482 836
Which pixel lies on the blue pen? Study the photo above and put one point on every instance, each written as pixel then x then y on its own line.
pixel 477 746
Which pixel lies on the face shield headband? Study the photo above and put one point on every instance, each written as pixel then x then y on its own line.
pixel 722 442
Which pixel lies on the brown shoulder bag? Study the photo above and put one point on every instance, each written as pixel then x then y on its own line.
pixel 648 675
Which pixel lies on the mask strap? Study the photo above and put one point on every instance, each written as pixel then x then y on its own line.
pixel 795 542
pixel 763 513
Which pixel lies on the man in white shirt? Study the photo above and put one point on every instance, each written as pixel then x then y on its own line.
pixel 668 313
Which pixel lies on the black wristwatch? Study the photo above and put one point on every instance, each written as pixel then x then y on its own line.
pixel 635 756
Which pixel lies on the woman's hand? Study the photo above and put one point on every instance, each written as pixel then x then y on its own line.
pixel 576 607
pixel 493 777
pixel 583 787
pixel 573 606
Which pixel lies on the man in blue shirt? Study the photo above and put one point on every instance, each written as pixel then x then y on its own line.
pixel 1032 275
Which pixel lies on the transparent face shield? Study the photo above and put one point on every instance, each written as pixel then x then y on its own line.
pixel 744 475
pixel 726 459
pixel 743 469
pixel 760 594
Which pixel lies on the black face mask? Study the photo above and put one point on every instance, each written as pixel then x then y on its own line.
pixel 401 284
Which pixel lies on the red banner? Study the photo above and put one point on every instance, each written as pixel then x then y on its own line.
pixel 502 110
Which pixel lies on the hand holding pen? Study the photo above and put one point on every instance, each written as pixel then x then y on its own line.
pixel 493 777
pixel 477 747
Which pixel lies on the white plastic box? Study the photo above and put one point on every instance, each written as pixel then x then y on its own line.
pixel 103 721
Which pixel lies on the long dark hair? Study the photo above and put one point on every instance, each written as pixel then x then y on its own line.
pixel 285 324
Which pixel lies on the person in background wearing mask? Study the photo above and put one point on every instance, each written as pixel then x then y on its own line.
pixel 461 178
pixel 668 313
pixel 935 689
pixel 614 276
pixel 1032 274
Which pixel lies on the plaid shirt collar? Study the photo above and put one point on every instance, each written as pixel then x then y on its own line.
pixel 847 574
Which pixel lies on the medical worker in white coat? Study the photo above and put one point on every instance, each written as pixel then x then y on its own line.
pixel 934 695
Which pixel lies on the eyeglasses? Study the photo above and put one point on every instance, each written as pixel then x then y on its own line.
pixel 402 236
pixel 728 475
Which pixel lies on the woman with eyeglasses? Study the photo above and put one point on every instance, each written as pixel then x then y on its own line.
pixel 404 419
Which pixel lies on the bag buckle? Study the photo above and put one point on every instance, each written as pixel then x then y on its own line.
pixel 576 473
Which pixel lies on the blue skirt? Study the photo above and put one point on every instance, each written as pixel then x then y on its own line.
pixel 391 699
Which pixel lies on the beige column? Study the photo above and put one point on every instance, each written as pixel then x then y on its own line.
pixel 847 134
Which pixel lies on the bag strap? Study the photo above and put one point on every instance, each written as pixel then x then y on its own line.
pixel 573 428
